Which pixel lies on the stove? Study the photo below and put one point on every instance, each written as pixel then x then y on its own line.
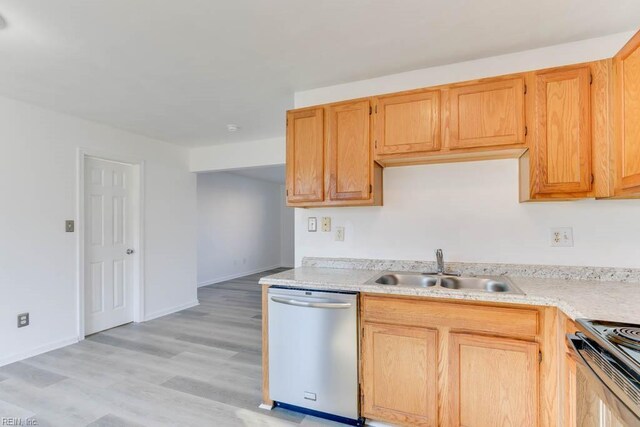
pixel 609 354
pixel 620 340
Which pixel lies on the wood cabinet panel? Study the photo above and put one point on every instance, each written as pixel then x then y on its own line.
pixel 305 155
pixel 563 131
pixel 480 318
pixel 407 123
pixel 400 372
pixel 494 381
pixel 487 114
pixel 626 110
pixel 349 151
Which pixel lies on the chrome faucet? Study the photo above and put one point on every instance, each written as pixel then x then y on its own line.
pixel 439 261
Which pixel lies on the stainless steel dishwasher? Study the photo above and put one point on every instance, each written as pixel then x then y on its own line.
pixel 313 352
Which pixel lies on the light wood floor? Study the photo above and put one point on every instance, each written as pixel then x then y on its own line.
pixel 200 366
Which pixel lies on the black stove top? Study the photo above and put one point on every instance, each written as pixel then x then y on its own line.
pixel 622 340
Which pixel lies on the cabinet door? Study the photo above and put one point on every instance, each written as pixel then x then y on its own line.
pixel 305 155
pixel 408 123
pixel 494 381
pixel 349 151
pixel 562 142
pixel 399 374
pixel 626 122
pixel 487 114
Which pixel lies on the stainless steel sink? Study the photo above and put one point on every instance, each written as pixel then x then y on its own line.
pixel 499 284
pixel 408 279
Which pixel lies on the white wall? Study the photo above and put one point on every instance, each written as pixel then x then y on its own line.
pixel 264 152
pixel 240 223
pixel 287 225
pixel 38 260
pixel 471 210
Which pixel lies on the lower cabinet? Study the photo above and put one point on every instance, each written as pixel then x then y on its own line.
pixel 435 363
pixel 494 381
pixel 400 367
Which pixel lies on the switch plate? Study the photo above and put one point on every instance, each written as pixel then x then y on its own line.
pixel 326 223
pixel 23 320
pixel 312 224
pixel 69 226
pixel 562 237
pixel 339 234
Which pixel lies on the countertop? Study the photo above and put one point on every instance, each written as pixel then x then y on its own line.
pixel 593 299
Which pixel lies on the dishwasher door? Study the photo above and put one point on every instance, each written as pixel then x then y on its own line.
pixel 313 350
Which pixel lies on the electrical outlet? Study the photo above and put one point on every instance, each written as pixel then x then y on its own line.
pixel 326 223
pixel 562 237
pixel 339 234
pixel 312 224
pixel 23 320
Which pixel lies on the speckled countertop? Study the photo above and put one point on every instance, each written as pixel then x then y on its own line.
pixel 593 299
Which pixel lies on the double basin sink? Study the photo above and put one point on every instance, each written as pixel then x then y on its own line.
pixel 499 284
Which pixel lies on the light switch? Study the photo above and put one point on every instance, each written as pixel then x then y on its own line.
pixel 312 224
pixel 69 226
pixel 339 234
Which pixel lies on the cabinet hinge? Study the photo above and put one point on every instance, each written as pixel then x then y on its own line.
pixel 539 357
pixel 593 178
pixel 287 122
pixel 375 144
pixel 370 188
pixel 376 109
pixel 526 131
pixel 287 193
pixel 590 79
pixel 370 110
pixel 525 89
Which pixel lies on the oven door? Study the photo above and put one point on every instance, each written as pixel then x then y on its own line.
pixel 606 395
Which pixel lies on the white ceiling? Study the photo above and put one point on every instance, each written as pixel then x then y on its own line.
pixel 181 70
pixel 273 174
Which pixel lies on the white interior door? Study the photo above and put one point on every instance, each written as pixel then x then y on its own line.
pixel 108 289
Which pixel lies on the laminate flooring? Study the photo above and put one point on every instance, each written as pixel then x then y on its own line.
pixel 197 367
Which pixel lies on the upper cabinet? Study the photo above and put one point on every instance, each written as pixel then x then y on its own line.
pixel 407 123
pixel 561 151
pixel 486 114
pixel 330 157
pixel 626 123
pixel 305 155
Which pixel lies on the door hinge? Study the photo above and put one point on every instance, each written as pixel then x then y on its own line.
pixel 590 79
pixel 539 357
pixel 526 131
pixel 370 110
pixel 525 89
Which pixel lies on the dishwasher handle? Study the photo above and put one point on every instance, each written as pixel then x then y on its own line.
pixel 298 303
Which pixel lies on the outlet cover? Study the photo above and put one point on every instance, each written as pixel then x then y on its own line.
pixel 23 320
pixel 326 223
pixel 69 226
pixel 339 234
pixel 312 224
pixel 562 237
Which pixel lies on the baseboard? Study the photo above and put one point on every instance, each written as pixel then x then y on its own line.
pixel 38 350
pixel 236 275
pixel 170 310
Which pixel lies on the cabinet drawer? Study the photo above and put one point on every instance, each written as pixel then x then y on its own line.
pixel 458 315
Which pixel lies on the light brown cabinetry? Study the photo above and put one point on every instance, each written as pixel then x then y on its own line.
pixel 305 155
pixel 487 358
pixel 350 158
pixel 407 123
pixel 494 381
pixel 486 114
pixel 330 157
pixel 399 363
pixel 626 123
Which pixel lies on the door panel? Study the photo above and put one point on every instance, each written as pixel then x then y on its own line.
pixel 494 381
pixel 627 125
pixel 408 123
pixel 563 133
pixel 400 371
pixel 108 235
pixel 487 114
pixel 349 151
pixel 305 155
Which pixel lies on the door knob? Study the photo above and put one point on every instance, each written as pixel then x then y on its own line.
pixel 129 251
